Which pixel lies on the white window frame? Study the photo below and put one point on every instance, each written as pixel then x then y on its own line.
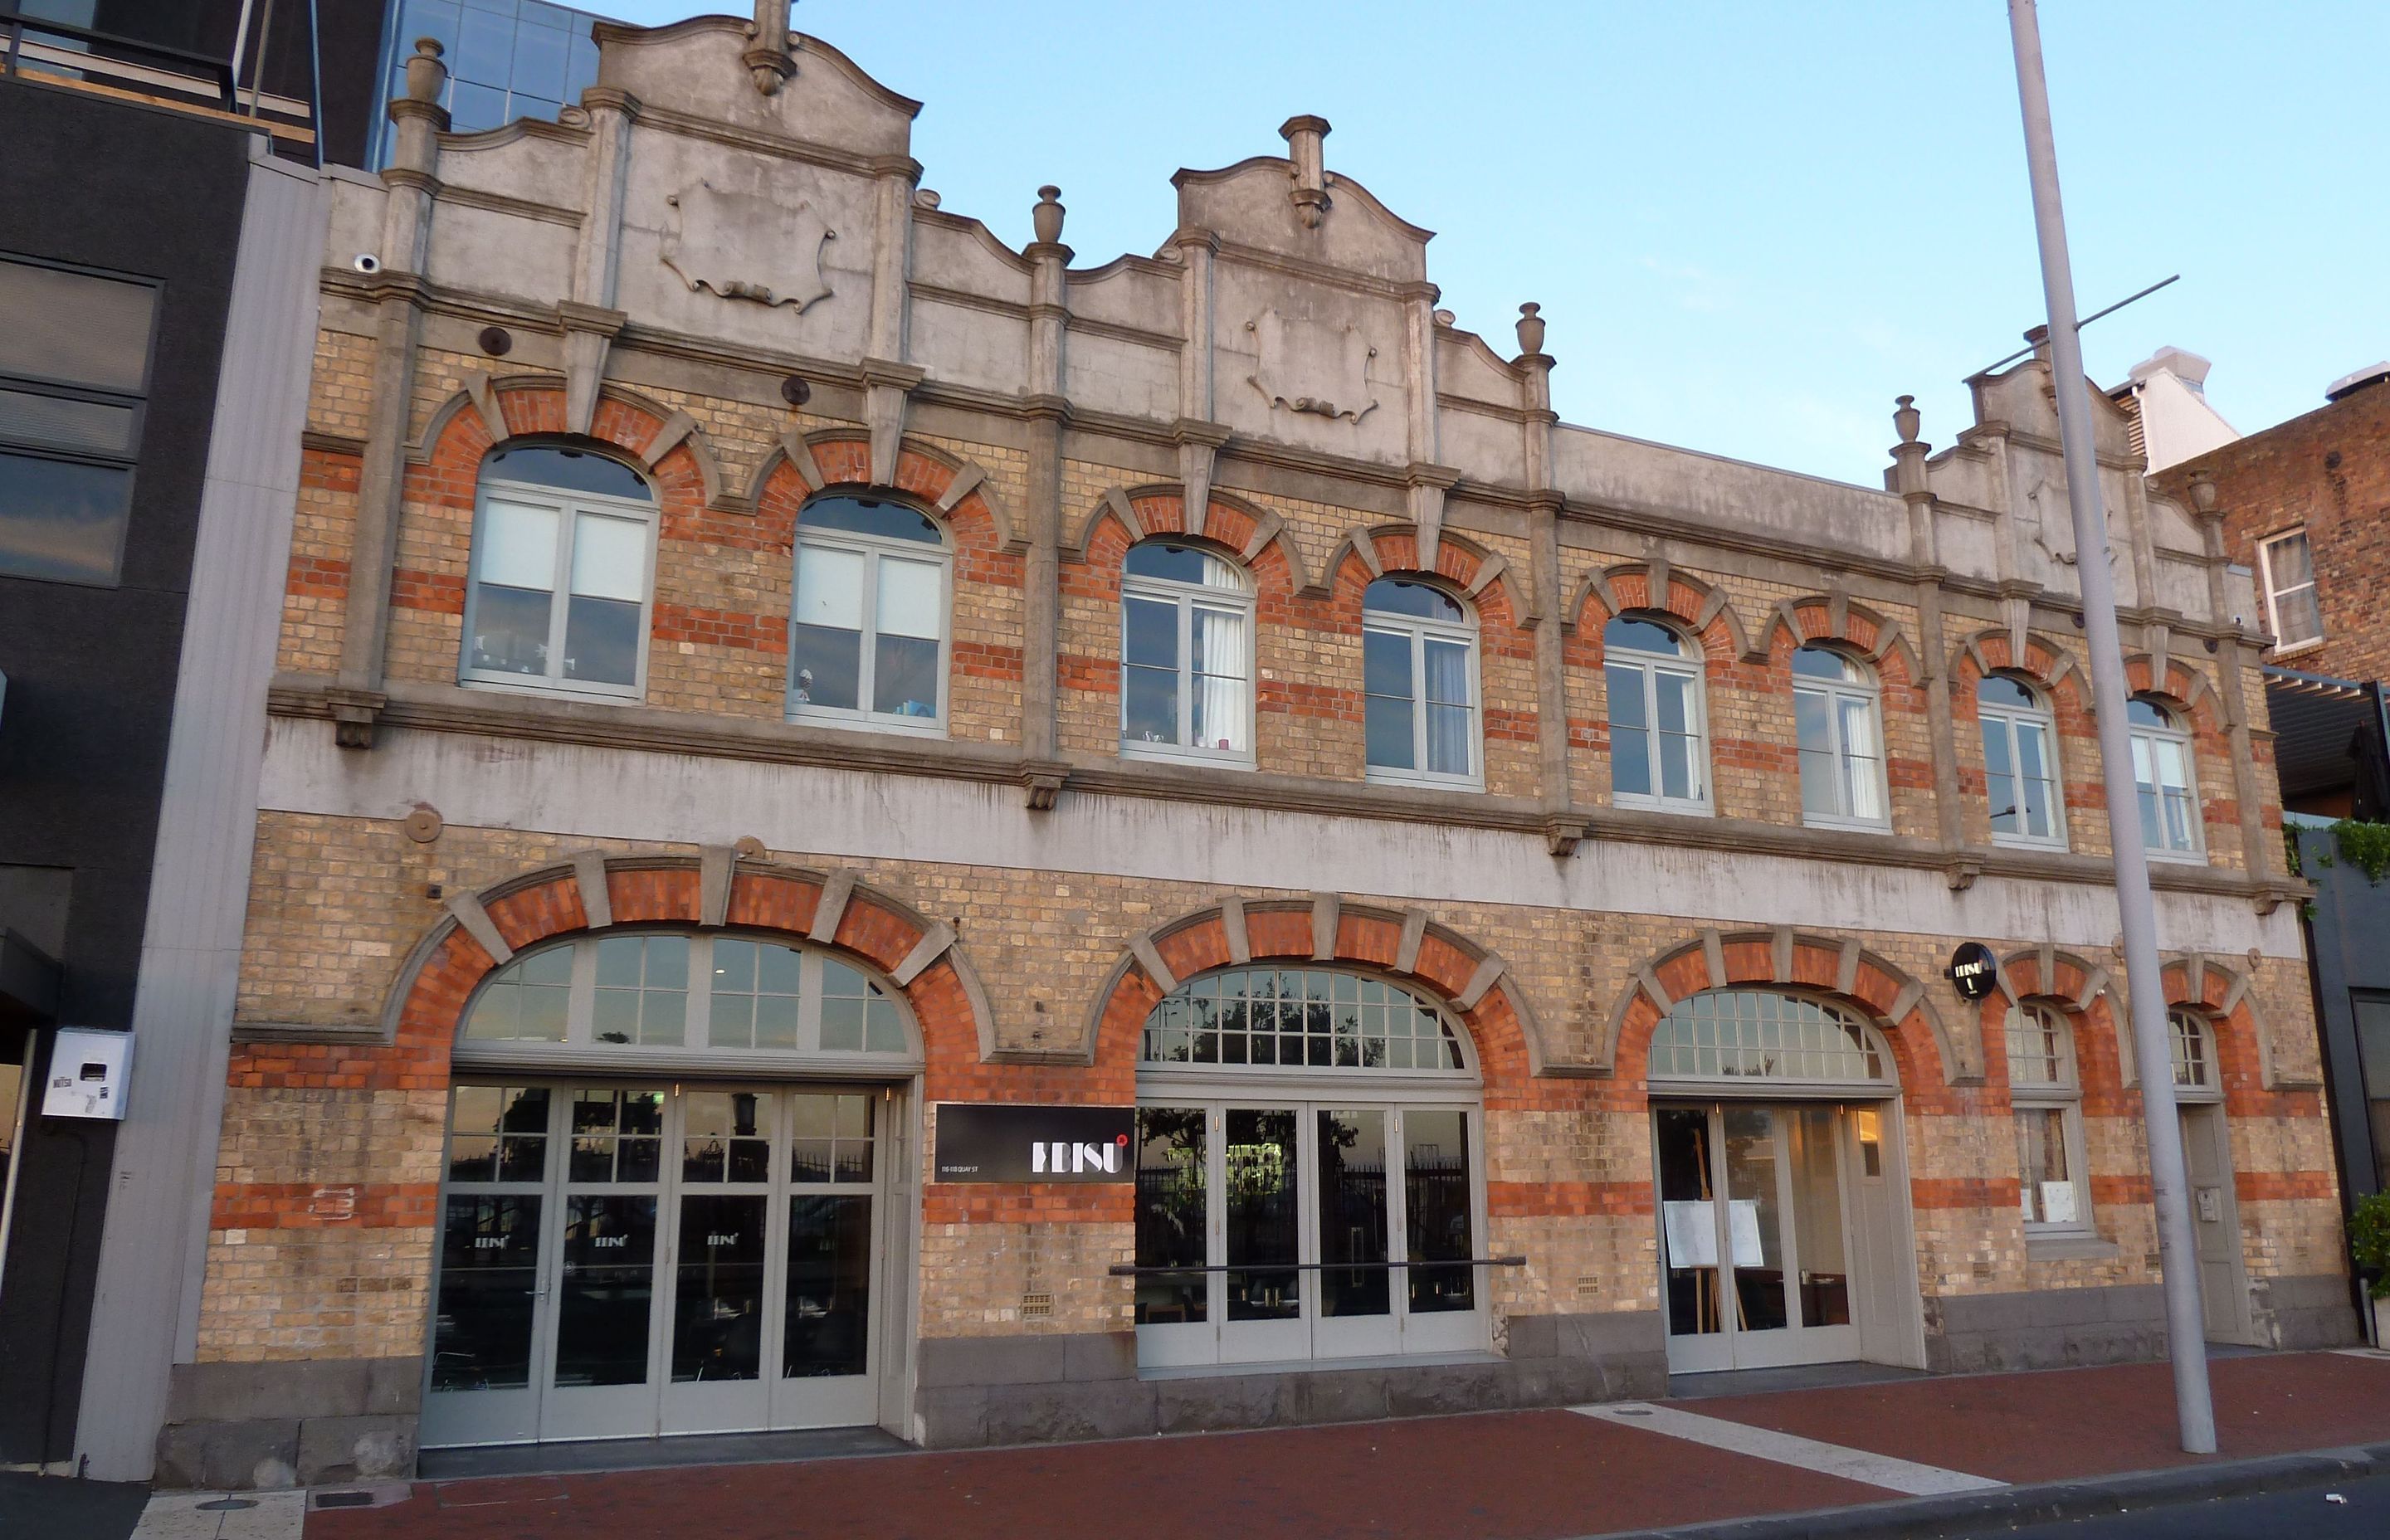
pixel 872 548
pixel 1870 691
pixel 2065 1095
pixel 2286 645
pixel 1214 1345
pixel 568 507
pixel 2210 1088
pixel 2151 740
pixel 1419 630
pixel 1187 597
pixel 582 1050
pixel 2013 721
pixel 1648 667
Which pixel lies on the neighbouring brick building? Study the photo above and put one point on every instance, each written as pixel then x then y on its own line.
pixel 772 679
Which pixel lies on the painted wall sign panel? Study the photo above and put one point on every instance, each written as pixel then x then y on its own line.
pixel 1003 1142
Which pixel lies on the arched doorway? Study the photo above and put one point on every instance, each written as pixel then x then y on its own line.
pixel 667 1196
pixel 1783 1229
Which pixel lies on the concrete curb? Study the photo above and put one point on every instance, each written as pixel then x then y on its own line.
pixel 1968 1513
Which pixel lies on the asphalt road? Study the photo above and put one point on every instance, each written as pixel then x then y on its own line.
pixel 2305 1513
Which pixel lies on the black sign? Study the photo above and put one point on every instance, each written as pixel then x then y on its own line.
pixel 982 1141
pixel 1975 972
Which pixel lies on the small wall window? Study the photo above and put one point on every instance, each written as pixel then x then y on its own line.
pixel 684 992
pixel 2020 764
pixel 74 378
pixel 1835 712
pixel 564 548
pixel 1418 666
pixel 1187 675
pixel 1657 755
pixel 867 638
pixel 2169 798
pixel 2192 1049
pixel 2046 1095
pixel 2287 564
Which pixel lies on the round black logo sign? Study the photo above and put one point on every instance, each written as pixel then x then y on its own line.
pixel 1973 970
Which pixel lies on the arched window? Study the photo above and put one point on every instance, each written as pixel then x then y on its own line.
pixel 564 544
pixel 2169 797
pixel 867 634
pixel 2020 764
pixel 1657 755
pixel 1187 675
pixel 1418 666
pixel 1309 1180
pixel 643 995
pixel 1742 1035
pixel 1835 710
pixel 2046 1094
pixel 2192 1047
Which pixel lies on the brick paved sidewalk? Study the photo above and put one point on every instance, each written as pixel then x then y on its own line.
pixel 1500 1476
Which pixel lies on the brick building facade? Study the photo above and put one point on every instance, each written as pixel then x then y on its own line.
pixel 1536 988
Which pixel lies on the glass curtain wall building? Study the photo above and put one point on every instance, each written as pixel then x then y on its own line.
pixel 506 58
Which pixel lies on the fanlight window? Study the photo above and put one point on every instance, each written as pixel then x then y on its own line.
pixel 1307 1017
pixel 684 992
pixel 2194 1066
pixel 1740 1033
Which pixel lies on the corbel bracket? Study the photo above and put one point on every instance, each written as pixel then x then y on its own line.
pixel 1563 833
pixel 1962 873
pixel 353 715
pixel 1043 780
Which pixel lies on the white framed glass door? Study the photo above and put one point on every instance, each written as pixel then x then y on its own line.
pixel 1755 1237
pixel 622 1262
pixel 1306 1230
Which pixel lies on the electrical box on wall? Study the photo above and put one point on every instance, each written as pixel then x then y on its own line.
pixel 89 1069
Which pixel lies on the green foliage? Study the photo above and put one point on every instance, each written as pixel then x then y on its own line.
pixel 2368 1241
pixel 2364 846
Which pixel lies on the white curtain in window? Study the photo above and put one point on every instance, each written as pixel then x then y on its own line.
pixel 829 588
pixel 1224 713
pixel 609 557
pixel 1450 721
pixel 1862 757
pixel 519 545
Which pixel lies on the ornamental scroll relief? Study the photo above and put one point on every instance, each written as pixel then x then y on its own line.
pixel 1309 366
pixel 746 248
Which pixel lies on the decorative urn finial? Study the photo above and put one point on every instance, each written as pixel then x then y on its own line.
pixel 424 73
pixel 1531 328
pixel 1047 218
pixel 1906 418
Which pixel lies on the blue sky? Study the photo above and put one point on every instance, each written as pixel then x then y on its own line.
pixel 1750 226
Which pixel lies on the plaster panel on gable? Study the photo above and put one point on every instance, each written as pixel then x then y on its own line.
pixel 1114 375
pixel 1489 448
pixel 2182 586
pixel 1631 474
pixel 521 162
pixel 684 69
pixel 664 165
pixel 1969 545
pixel 1463 368
pixel 964 345
pixel 1246 298
pixel 355 224
pixel 1250 205
pixel 1128 294
pixel 945 257
pixel 499 253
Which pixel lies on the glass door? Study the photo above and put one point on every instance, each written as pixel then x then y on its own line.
pixel 1755 1236
pixel 618 1263
pixel 1306 1231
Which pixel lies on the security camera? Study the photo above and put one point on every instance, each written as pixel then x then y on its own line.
pixel 366 261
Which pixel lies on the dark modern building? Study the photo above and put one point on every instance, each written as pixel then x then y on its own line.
pixel 163 221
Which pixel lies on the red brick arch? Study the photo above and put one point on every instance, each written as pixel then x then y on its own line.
pixel 668 446
pixel 2083 990
pixel 1866 631
pixel 1703 609
pixel 425 1008
pixel 953 491
pixel 1930 1059
pixel 1252 538
pixel 2179 686
pixel 2041 660
pixel 2244 1055
pixel 1473 984
pixel 1480 577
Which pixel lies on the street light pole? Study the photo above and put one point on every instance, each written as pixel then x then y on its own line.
pixel 2152 1055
